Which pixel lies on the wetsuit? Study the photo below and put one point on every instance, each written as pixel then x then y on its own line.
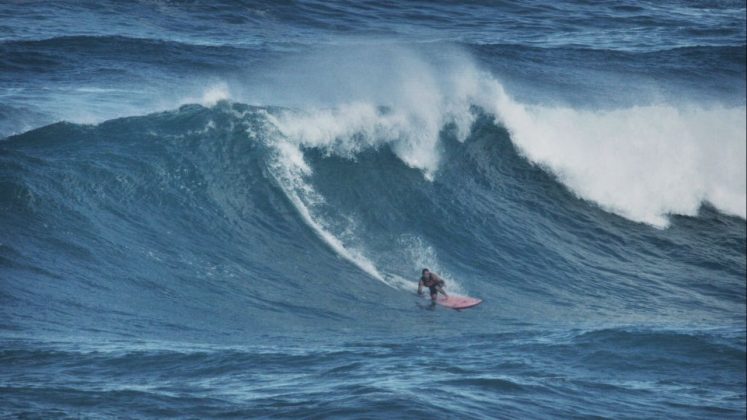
pixel 432 282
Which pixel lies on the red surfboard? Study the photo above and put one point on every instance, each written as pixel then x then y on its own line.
pixel 458 302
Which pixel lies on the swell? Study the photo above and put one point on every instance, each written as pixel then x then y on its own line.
pixel 670 64
pixel 91 79
pixel 66 53
pixel 591 77
pixel 615 26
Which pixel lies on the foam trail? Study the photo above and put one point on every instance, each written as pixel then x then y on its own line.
pixel 290 171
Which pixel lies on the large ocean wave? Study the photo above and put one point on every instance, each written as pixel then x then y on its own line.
pixel 223 209
pixel 134 210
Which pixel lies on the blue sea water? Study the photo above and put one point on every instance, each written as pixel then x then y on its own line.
pixel 221 209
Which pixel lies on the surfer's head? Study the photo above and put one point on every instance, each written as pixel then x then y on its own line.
pixel 425 271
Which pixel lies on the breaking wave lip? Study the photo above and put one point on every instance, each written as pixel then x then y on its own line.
pixel 643 163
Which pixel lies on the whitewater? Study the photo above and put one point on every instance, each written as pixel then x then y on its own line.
pixel 223 210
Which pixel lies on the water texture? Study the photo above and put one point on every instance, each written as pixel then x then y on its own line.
pixel 221 209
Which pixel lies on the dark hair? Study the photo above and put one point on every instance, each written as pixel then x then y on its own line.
pixel 424 270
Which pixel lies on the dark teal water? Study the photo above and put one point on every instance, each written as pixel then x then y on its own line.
pixel 221 210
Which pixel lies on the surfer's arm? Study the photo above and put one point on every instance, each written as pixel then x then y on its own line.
pixel 441 285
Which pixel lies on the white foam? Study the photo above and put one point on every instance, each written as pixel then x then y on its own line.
pixel 642 163
pixel 385 95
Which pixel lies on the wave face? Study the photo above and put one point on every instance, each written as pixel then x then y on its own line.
pixel 223 210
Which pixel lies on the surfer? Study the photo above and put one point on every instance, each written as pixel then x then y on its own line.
pixel 432 282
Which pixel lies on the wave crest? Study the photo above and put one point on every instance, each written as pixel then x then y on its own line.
pixel 643 162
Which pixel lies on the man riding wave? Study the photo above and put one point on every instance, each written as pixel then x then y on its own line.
pixel 433 282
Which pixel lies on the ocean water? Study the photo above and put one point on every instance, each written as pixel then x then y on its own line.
pixel 221 209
